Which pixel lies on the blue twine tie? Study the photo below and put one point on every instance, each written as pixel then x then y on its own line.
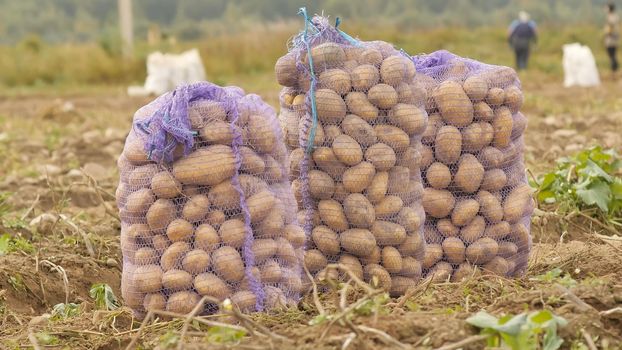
pixel 310 141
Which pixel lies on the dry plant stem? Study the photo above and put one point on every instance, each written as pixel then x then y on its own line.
pixel 386 337
pixel 347 310
pixel 410 293
pixel 316 297
pixel 349 338
pixel 99 192
pixel 34 203
pixel 190 316
pixel 583 306
pixel 62 273
pixel 33 340
pixel 262 329
pixel 85 238
pixel 470 340
pixel 615 310
pixel 598 222
pixel 588 339
pixel 136 336
pixel 354 278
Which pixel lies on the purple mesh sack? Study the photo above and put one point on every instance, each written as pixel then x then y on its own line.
pixel 353 122
pixel 477 201
pixel 206 205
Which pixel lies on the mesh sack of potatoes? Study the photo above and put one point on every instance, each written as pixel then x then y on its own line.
pixel 206 205
pixel 353 122
pixel 477 200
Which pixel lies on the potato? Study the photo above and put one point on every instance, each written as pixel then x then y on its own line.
pixel 331 132
pixel 410 219
pixel 434 123
pixel 507 249
pixel 286 70
pixel 224 196
pixel 448 144
pixel 470 174
pixel 498 231
pixel 309 214
pixel 502 125
pixel 275 298
pixel 205 166
pixel 357 178
pixel 447 228
pixel 382 96
pixel 433 254
pixel 392 260
pixel 347 150
pixel 373 258
pixel 135 152
pixel 411 158
pixel 494 180
pixel 327 55
pixel 321 185
pixel 381 156
pixel 359 211
pixel 497 265
pixel 473 230
pixel 196 261
pixel 518 125
pixel 331 108
pixel 294 234
pixel 411 268
pixel 160 214
pixel 182 302
pixel 285 252
pixel 314 260
pixel 295 160
pixel 164 185
pixel 392 136
pixel 370 56
pixel 413 192
pixel 364 77
pixel 260 134
pixel 208 284
pixel 176 280
pixel 405 94
pixel 377 276
pixel 155 301
pixel 490 157
pixel 272 226
pixel 427 156
pixel 160 242
pixel 147 278
pixel 217 132
pixel 232 232
pixel 227 262
pixel 490 207
pixel 477 136
pixel 453 104
pixel 172 256
pixel 271 272
pixel 358 104
pixel 482 250
pixel 517 203
pixel 393 70
pixel 495 96
pixel 441 272
pixel 252 163
pixel 215 218
pixel 513 98
pixel 464 211
pixel 438 175
pixel 195 208
pixel 263 249
pixel 475 87
pixel 463 271
pixel 409 118
pixel 388 233
pixel 337 80
pixel 359 130
pixel 483 112
pixel 398 176
pixel 454 250
pixel 138 202
pixel 318 138
pixel 438 203
pixel 340 192
pixel 378 187
pixel 400 285
pixel 389 206
pixel 359 242
pixel 179 230
pixel 260 204
pixel 145 256
pixel 332 214
pixel 326 160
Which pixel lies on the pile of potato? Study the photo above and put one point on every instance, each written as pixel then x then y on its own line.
pixel 184 224
pixel 359 189
pixel 476 198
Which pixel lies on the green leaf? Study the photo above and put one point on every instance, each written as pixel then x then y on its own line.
pixel 594 170
pixel 319 319
pixel 4 244
pixel 104 297
pixel 483 320
pixel 541 317
pixel 546 196
pixel 597 193
pixel 547 180
pixel 514 325
pixel 225 335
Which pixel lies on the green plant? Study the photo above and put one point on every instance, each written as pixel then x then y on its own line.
pixel 526 331
pixel 9 244
pixel 224 335
pixel 168 340
pixel 589 180
pixel 558 276
pixel 62 311
pixel 104 297
pixel 45 338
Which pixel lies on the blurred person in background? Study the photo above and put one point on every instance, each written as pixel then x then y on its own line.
pixel 521 34
pixel 612 35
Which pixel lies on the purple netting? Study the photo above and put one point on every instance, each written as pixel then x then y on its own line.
pixel 355 168
pixel 214 215
pixel 477 200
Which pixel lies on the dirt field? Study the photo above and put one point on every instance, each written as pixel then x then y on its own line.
pixel 58 173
